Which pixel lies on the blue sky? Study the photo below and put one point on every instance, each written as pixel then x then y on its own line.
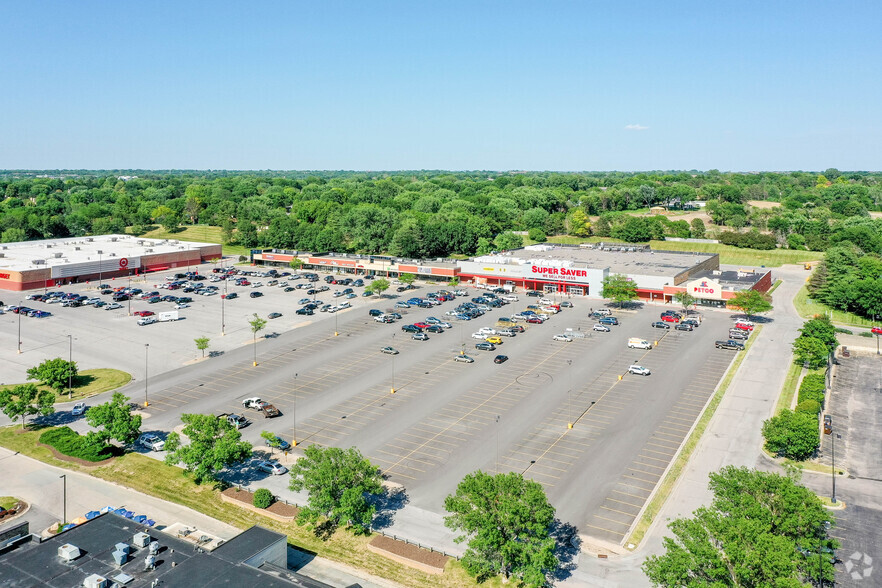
pixel 494 85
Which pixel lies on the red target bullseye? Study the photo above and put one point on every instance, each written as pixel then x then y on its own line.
pixel 123 263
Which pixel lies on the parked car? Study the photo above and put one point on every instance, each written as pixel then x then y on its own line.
pixel 670 318
pixel 278 442
pixel 256 294
pixel 500 359
pixel 738 334
pixel 876 330
pixel 420 337
pixel 729 344
pixel 151 442
pixel 683 327
pixel 411 329
pixel 485 346
pixel 274 315
pixel 744 325
pixel 272 467
pixel 229 296
pixel 601 328
pixel 608 320
pixel 79 409
pixel 660 325
pixel 389 350
pixel 113 306
pixel 147 320
pixel 304 311
pixel 564 338
pixel 463 359
pixel 639 370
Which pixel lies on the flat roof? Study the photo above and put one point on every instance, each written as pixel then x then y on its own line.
pixel 178 562
pixel 732 279
pixel 20 256
pixel 619 258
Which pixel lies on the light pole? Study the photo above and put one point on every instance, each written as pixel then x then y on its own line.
pixel 129 295
pixel 393 365
pixel 833 441
pixel 223 299
pixel 336 331
pixel 100 274
pixel 63 499
pixel 294 414
pixel 146 350
pixel 70 366
pixel 20 303
pixel 497 444
pixel 570 394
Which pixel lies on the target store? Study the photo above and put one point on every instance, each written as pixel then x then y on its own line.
pixel 30 265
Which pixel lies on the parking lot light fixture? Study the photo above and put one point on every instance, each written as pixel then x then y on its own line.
pixel 294 414
pixel 146 349
pixel 69 366
pixel 19 324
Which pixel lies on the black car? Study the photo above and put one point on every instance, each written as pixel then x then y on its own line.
pixel 411 329
pixel 660 325
pixel 500 358
pixel 683 327
pixel 609 320
pixel 374 312
pixel 256 294
pixel 305 311
pixel 434 329
pixel 274 315
pixel 185 300
pixel 289 289
pixel 120 297
pixel 534 293
pixel 312 292
pixel 229 296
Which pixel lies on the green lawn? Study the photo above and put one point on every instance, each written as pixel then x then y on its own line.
pixel 7 502
pixel 673 474
pixel 89 383
pixel 785 399
pixel 169 483
pixel 807 308
pixel 199 234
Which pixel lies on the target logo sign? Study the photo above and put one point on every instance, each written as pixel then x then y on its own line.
pixel 123 263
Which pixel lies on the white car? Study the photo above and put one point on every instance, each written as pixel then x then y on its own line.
pixel 113 306
pixel 451 313
pixel 544 300
pixel 639 370
pixel 146 320
pixel 463 359
pixel 565 338
pixel 478 336
pixel 343 305
pixel 78 409
pixel 601 328
pixel 256 284
pixel 253 402
pixel 272 467
pixel 151 442
pixel 487 331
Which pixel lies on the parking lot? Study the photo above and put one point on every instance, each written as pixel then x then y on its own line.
pixel 446 419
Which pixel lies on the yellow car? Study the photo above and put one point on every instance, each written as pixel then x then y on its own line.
pixel 494 340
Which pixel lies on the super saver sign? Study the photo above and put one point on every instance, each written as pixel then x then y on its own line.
pixel 560 273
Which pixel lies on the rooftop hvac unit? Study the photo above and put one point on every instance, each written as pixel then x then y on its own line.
pixel 149 562
pixel 89 239
pixel 113 239
pixel 112 254
pixel 95 581
pixel 140 241
pixel 99 252
pixel 141 540
pixel 38 261
pixel 717 273
pixel 120 557
pixel 48 245
pixel 76 248
pixel 3 254
pixel 153 548
pixel 58 254
pixel 124 547
pixel 68 552
pixel 148 251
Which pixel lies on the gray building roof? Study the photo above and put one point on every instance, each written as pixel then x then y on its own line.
pixel 178 562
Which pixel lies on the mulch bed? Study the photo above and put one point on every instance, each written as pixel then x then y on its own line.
pixel 277 508
pixel 240 495
pixel 283 510
pixel 76 460
pixel 409 551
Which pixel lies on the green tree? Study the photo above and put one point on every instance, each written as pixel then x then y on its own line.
pixel 619 288
pixel 537 234
pixel 793 435
pixel 407 279
pixel 750 302
pixel 507 241
pixel 453 282
pixel 26 400
pixel 686 299
pixel 257 324
pixel 579 225
pixel 337 481
pixel 55 373
pixel 697 228
pixel 822 329
pixel 379 285
pixel 13 235
pixel 761 529
pixel 295 264
pixel 115 419
pixel 214 444
pixel 202 344
pixel 484 246
pixel 506 521
pixel 272 440
pixel 811 350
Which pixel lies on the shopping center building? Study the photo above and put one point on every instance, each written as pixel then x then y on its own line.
pixel 573 270
pixel 53 262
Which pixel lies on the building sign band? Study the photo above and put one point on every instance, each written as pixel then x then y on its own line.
pixel 561 274
pixel 705 288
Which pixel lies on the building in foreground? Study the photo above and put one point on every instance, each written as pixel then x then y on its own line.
pixel 30 265
pixel 91 555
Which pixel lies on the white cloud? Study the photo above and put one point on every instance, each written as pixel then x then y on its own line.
pixel 635 128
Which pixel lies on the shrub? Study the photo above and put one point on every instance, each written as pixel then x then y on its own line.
pixel 89 447
pixel 810 406
pixel 846 331
pixel 866 334
pixel 537 234
pixel 793 435
pixel 813 387
pixel 262 498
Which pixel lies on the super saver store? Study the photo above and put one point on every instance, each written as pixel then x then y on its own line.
pixel 550 276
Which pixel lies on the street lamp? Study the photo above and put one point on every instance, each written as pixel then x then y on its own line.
pixel 393 365
pixel 223 299
pixel 570 393
pixel 20 303
pixel 64 499
pixel 294 414
pixel 99 268
pixel 497 444
pixel 833 442
pixel 146 350
pixel 70 366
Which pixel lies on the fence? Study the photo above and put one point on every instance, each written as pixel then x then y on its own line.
pixel 417 543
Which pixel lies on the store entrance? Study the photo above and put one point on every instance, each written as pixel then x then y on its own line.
pixel 549 288
pixel 576 291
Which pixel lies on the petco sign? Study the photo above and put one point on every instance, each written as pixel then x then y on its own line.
pixel 705 288
pixel 559 274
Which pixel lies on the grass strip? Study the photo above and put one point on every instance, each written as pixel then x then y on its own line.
pixel 89 383
pixel 807 308
pixel 775 286
pixel 789 389
pixel 168 483
pixel 666 487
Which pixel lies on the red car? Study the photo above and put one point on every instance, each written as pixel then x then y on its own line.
pixel 143 313
pixel 668 318
pixel 534 320
pixel 876 330
pixel 421 325
pixel 744 326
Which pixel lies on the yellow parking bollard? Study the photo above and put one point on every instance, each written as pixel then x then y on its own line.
pixel 569 425
pixel 620 376
pixel 392 390
pixel 656 343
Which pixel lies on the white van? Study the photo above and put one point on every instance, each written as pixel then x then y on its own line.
pixel 509 297
pixel 638 343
